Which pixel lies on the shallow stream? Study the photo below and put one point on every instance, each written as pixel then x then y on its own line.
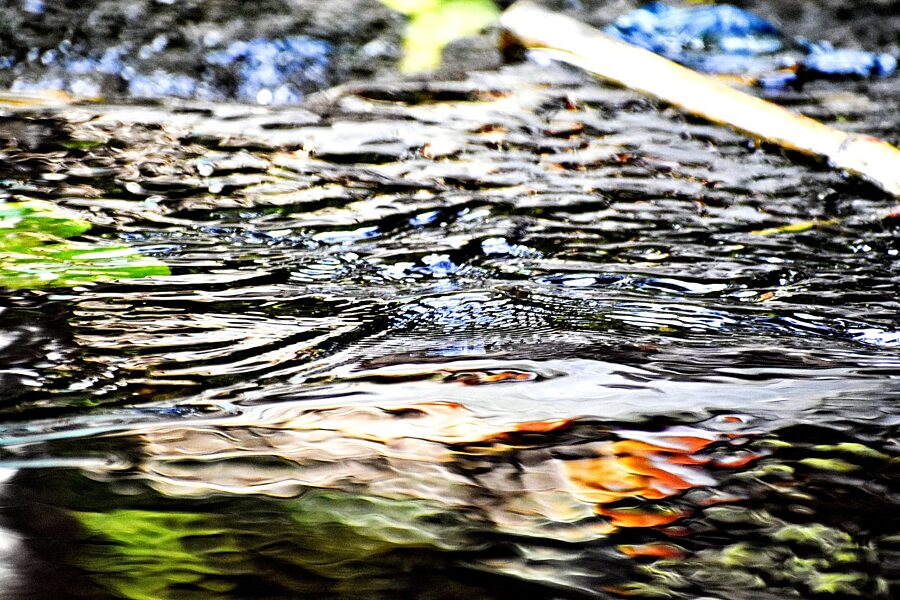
pixel 518 335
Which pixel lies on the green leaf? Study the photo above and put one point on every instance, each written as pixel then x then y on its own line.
pixel 39 217
pixel 435 23
pixel 35 251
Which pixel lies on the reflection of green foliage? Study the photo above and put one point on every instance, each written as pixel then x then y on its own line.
pixel 777 556
pixel 814 558
pixel 340 527
pixel 435 23
pixel 143 555
pixel 35 253
pixel 151 553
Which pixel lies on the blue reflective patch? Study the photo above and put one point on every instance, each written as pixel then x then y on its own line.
pixel 824 59
pixel 436 265
pixel 671 31
pixel 725 39
pixel 161 83
pixel 268 70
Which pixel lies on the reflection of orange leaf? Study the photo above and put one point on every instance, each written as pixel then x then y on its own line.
pixel 542 426
pixel 653 469
pixel 509 437
pixel 636 469
pixel 736 462
pixel 653 550
pixel 685 443
pixel 667 444
pixel 641 517
pixel 604 479
pixel 483 377
pixel 509 375
pixel 658 477
pixel 686 459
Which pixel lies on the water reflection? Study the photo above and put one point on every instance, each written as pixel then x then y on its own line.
pixel 346 495
pixel 517 335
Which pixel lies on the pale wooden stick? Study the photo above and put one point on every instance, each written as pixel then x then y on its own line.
pixel 569 40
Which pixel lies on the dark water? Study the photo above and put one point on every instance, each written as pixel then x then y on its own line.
pixel 515 336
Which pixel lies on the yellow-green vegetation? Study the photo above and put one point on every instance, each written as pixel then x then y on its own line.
pixel 35 251
pixel 435 23
pixel 796 227
pixel 815 558
pixel 147 555
pixel 829 464
pixel 152 552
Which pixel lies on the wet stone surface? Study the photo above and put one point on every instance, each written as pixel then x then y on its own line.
pixel 517 335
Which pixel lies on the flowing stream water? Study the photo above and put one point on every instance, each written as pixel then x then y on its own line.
pixel 514 335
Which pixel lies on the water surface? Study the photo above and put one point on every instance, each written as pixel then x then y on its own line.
pixel 516 335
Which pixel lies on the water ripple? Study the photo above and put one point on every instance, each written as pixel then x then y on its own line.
pixel 515 334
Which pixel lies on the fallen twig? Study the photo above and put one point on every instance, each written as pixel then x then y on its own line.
pixel 571 41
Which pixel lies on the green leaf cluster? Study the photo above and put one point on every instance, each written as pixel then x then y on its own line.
pixel 35 251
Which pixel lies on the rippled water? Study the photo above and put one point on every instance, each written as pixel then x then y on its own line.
pixel 518 335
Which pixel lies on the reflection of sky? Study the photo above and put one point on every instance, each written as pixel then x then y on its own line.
pixel 579 387
pixel 34 7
